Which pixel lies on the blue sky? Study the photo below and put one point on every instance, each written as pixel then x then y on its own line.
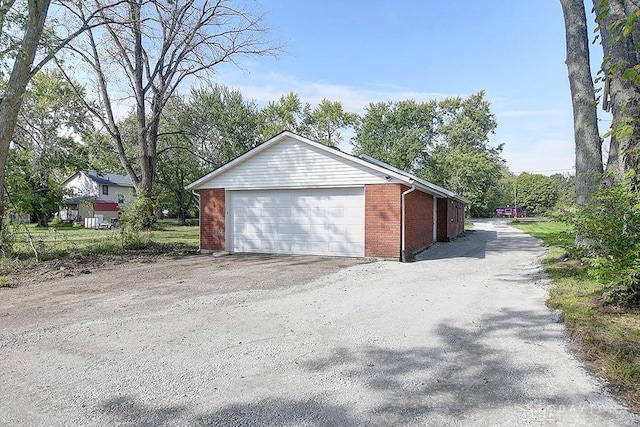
pixel 359 52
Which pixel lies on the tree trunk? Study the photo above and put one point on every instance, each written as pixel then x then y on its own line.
pixel 588 145
pixel 182 211
pixel 11 100
pixel 620 57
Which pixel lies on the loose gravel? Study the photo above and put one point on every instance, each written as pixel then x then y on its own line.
pixel 461 337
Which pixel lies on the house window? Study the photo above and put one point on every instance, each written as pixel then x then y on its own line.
pixel 105 190
pixel 120 199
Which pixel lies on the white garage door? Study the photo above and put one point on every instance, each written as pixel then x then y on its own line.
pixel 312 221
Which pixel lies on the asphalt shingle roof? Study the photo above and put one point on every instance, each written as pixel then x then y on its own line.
pixel 111 179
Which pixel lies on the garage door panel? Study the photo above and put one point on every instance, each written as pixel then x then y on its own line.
pixel 284 212
pixel 300 247
pixel 301 229
pixel 318 247
pixel 268 246
pixel 269 213
pixel 252 212
pixel 310 221
pixel 284 247
pixel 335 213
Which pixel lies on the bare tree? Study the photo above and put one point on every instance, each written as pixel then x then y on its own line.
pixel 620 35
pixel 588 144
pixel 146 51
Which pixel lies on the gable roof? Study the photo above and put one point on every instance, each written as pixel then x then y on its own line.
pixel 104 178
pixel 110 179
pixel 363 161
pixel 448 193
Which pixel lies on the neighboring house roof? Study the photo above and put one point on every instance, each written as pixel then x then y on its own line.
pixel 105 206
pixel 111 179
pixel 104 179
pixel 364 161
pixel 73 200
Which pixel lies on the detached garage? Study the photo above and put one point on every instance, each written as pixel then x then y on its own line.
pixel 292 195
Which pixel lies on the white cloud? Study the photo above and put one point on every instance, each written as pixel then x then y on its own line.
pixel 270 87
pixel 542 156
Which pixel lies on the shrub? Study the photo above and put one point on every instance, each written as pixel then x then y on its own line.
pixel 610 229
pixel 57 222
pixel 135 220
pixel 140 215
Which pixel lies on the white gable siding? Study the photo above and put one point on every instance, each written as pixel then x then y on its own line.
pixel 81 185
pixel 294 164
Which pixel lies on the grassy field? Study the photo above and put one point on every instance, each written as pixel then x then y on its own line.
pixel 56 242
pixel 610 337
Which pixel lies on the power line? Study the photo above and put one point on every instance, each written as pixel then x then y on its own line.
pixel 547 170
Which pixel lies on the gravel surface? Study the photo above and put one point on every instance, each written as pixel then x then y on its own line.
pixel 459 338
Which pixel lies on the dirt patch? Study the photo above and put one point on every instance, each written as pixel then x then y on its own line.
pixel 76 288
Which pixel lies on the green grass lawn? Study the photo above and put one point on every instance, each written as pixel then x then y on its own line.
pixel 611 337
pixel 62 241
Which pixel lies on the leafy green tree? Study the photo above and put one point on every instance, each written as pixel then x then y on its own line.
pixel 466 122
pixel 223 123
pixel 212 128
pixel 178 160
pixel 27 44
pixel 473 173
pixel 535 193
pixel 400 133
pixel 462 159
pixel 566 185
pixel 505 190
pixel 445 142
pixel 324 122
pixel 287 113
pixel 45 149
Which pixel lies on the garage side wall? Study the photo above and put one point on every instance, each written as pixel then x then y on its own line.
pixel 418 221
pixel 450 219
pixel 382 220
pixel 212 229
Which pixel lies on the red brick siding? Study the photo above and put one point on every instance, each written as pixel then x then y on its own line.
pixel 418 221
pixel 382 220
pixel 212 230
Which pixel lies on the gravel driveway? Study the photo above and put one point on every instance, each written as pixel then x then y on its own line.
pixel 459 338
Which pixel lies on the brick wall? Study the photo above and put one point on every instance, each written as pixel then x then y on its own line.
pixel 418 221
pixel 212 229
pixel 382 220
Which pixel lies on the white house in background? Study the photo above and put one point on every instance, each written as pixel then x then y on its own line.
pixel 93 195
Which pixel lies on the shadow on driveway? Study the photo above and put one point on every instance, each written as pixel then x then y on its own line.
pixel 462 374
